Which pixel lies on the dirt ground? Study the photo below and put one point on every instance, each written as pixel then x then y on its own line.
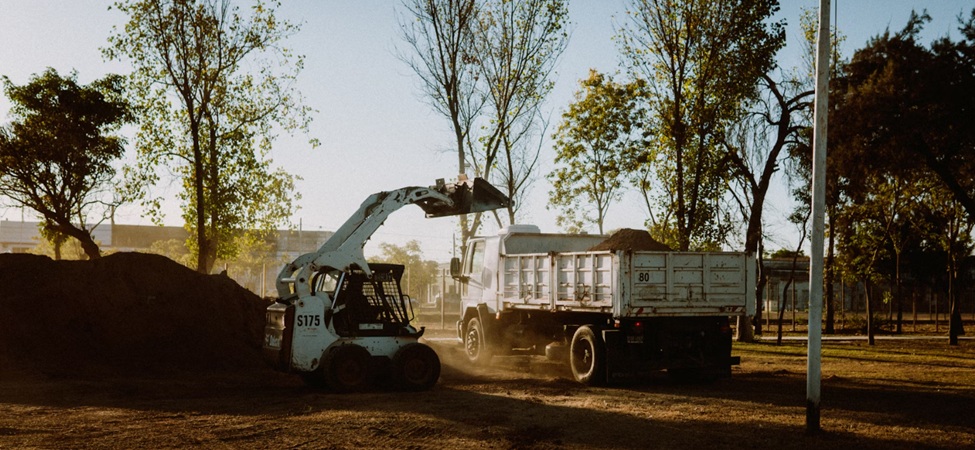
pixel 182 369
pixel 900 394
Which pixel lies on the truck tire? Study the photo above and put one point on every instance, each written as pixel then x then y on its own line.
pixel 475 343
pixel 416 367
pixel 587 356
pixel 347 368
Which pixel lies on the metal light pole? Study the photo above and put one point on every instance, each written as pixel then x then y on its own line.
pixel 814 358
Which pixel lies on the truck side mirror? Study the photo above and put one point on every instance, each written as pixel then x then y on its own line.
pixel 455 269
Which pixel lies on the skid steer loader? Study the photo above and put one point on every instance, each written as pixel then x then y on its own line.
pixel 341 322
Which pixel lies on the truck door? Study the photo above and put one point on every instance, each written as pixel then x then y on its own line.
pixel 474 270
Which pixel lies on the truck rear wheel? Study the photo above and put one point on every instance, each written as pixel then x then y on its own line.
pixel 347 368
pixel 475 344
pixel 587 356
pixel 416 367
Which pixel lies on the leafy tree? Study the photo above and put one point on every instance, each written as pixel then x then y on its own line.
pixel 952 237
pixel 419 272
pixel 56 157
pixel 900 103
pixel 702 61
pixel 212 87
pixel 598 136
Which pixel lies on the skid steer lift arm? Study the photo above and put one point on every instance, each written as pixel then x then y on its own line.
pixel 343 250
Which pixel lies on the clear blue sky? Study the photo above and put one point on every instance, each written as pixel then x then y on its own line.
pixel 377 131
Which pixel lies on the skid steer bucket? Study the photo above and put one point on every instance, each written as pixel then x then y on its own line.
pixel 468 196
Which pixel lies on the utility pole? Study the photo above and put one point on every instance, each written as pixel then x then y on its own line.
pixel 815 344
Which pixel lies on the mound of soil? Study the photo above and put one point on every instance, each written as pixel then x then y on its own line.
pixel 630 239
pixel 129 312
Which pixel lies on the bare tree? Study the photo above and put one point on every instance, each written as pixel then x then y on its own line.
pixel 485 65
pixel 441 36
pixel 519 43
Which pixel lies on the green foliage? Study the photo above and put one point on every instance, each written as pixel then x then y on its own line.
pixel 213 89
pixel 173 249
pixel 57 156
pixel 786 253
pixel 598 137
pixel 900 150
pixel 419 273
pixel 702 61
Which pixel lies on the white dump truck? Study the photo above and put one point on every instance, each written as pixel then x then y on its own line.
pixel 611 314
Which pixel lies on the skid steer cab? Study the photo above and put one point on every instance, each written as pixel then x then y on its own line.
pixel 353 331
pixel 342 322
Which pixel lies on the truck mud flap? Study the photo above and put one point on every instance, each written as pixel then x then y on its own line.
pixel 620 365
pixel 488 325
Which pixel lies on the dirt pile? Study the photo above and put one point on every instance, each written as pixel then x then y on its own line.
pixel 127 312
pixel 630 239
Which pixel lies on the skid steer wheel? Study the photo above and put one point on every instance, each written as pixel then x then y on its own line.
pixel 587 356
pixel 475 346
pixel 347 368
pixel 416 367
pixel 314 379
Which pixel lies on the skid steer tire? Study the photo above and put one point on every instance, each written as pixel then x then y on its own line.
pixel 476 346
pixel 587 356
pixel 347 368
pixel 416 367
pixel 314 379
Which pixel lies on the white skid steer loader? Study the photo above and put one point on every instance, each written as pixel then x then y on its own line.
pixel 340 321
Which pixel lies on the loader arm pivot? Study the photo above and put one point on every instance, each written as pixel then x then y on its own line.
pixel 344 249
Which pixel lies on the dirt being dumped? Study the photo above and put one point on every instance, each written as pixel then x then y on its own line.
pixel 630 239
pixel 128 312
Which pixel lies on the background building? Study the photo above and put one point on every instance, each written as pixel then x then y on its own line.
pixel 255 271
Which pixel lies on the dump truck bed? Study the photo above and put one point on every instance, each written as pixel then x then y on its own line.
pixel 630 284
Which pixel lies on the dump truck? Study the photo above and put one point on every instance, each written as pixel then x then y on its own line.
pixel 612 315
pixel 342 322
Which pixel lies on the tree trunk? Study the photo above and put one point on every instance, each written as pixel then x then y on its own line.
pixel 830 276
pixel 759 294
pixel 198 175
pixel 867 296
pixel 955 328
pixel 87 243
pixel 746 328
pixel 785 291
pixel 897 293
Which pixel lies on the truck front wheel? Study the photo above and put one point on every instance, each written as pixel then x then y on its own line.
pixel 475 344
pixel 587 356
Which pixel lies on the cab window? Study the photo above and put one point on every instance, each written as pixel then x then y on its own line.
pixel 476 265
